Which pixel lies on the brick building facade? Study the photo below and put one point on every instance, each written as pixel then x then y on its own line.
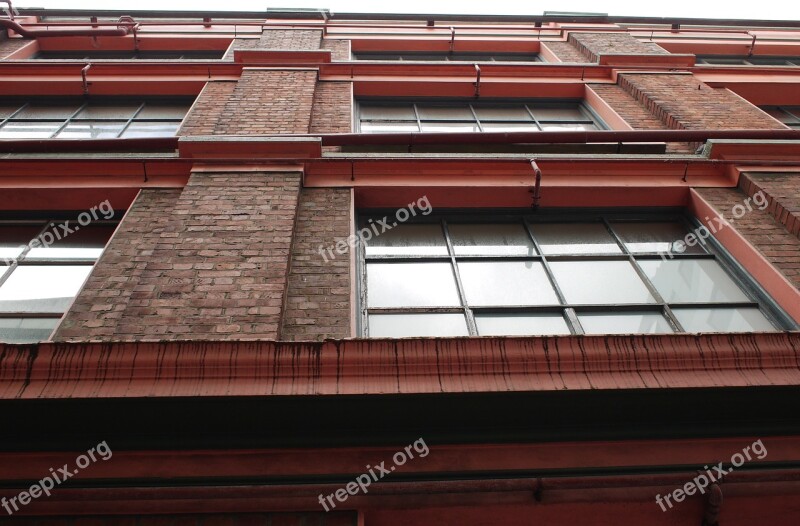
pixel 546 268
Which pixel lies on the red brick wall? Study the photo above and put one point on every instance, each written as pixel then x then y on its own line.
pixel 566 52
pixel 228 519
pixel 296 39
pixel 761 229
pixel 783 193
pixel 333 107
pixel 318 297
pixel 340 49
pixel 595 44
pixel 215 268
pixel 683 102
pixel 10 45
pixel 269 101
pixel 208 108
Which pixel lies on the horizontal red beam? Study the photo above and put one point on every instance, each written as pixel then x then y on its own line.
pixel 418 365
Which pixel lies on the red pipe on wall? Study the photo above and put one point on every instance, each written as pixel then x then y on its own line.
pixel 125 26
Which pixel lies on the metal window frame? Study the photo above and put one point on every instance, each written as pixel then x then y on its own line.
pixel 83 103
pixel 47 223
pixel 791 61
pixel 756 296
pixel 449 56
pixel 130 55
pixel 591 117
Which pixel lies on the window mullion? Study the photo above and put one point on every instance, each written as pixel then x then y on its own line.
pixel 669 315
pixel 362 276
pixel 69 119
pixel 475 116
pixel 471 325
pixel 535 120
pixel 575 326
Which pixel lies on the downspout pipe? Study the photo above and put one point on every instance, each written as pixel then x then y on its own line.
pixel 125 26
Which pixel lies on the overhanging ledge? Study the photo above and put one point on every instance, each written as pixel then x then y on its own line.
pixel 408 366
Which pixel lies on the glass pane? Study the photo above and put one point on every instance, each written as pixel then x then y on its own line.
pixel 778 114
pixel 26 330
pixel 411 285
pixel 86 242
pixel 165 110
pixel 566 113
pixel 48 111
pixel 723 320
pixel 496 283
pixel 567 127
pixel 151 129
pixel 658 238
pixel 406 325
pixel 15 238
pixel 503 113
pixel 450 127
pixel 388 127
pixel 407 240
pixel 445 113
pixel 29 130
pixel 520 324
pixel 388 113
pixel 7 110
pixel 108 111
pixel 692 280
pixel 624 323
pixel 575 238
pixel 490 240
pixel 509 126
pixel 42 288
pixel 600 282
pixel 91 130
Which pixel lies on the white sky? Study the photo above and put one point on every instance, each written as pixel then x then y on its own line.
pixel 760 9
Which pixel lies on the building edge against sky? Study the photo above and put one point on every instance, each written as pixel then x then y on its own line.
pixel 303 268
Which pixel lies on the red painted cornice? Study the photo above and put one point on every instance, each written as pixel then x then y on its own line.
pixel 376 366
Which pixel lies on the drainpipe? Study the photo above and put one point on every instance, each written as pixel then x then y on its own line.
pixel 537 185
pixel 124 27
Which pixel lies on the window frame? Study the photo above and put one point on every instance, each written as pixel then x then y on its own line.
pixel 757 297
pixel 583 107
pixel 791 61
pixel 21 260
pixel 135 55
pixel 447 56
pixel 793 112
pixel 86 102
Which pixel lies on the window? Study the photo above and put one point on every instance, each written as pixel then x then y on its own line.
pixel 727 60
pixel 90 119
pixel 41 274
pixel 789 115
pixel 391 117
pixel 450 57
pixel 129 55
pixel 467 275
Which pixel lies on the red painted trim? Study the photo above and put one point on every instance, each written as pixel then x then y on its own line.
pixel 258 56
pixel 136 369
pixel 770 278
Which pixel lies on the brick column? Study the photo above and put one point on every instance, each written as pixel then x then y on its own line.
pixel 594 45
pixel 209 263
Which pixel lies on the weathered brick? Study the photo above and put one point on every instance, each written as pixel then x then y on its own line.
pixel 593 45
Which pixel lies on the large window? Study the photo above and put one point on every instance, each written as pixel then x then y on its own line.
pixel 129 55
pixel 43 265
pixel 544 275
pixel 728 60
pixel 90 119
pixel 390 117
pixel 449 57
pixel 789 115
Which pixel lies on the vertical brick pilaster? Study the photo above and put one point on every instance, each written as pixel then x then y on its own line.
pixel 211 263
pixel 208 109
pixel 340 49
pixel 10 45
pixel 566 52
pixel 318 296
pixel 683 102
pixel 782 191
pixel 593 45
pixel 761 229
pixel 269 102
